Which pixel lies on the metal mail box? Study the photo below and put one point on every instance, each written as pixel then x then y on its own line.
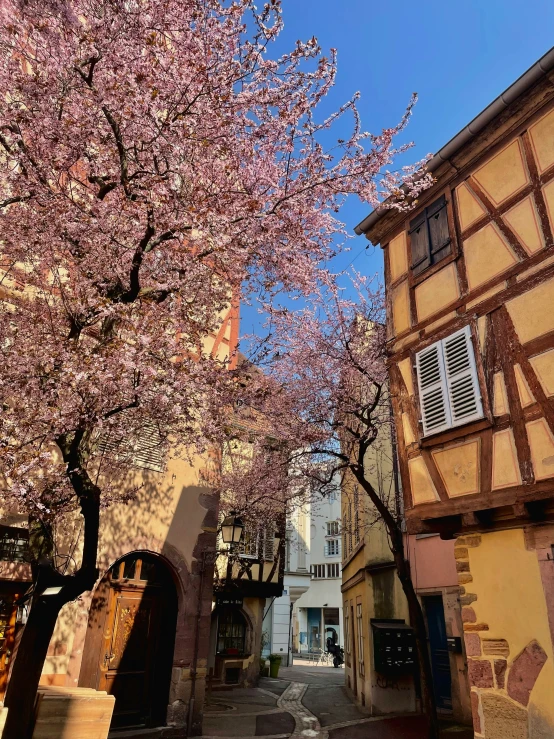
pixel 394 647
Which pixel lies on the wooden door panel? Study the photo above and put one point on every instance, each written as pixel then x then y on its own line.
pixel 131 638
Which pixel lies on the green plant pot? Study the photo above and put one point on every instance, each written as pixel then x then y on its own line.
pixel 274 664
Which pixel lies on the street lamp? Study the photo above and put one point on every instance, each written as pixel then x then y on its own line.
pixel 232 529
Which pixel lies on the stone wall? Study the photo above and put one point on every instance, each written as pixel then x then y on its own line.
pixel 507 636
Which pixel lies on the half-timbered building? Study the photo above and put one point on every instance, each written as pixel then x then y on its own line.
pixel 470 307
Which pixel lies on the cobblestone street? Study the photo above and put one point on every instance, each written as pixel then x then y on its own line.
pixel 308 702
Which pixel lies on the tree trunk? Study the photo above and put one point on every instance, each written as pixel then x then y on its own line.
pixel 27 668
pixel 418 623
pixel 404 575
pixel 33 645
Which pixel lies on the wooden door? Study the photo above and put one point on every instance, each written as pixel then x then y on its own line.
pixel 130 640
pixel 8 614
pixel 127 658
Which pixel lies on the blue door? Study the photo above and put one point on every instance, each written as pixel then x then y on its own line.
pixel 440 660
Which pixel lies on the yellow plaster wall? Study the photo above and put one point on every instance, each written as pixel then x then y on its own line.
pixel 523 220
pixel 541 443
pixel 438 291
pixel 486 256
pixel 500 402
pixel 421 484
pixel 469 208
pixel 398 256
pixel 542 139
pixel 513 607
pixel 401 308
pixel 458 466
pixel 543 364
pixel 405 367
pixel 504 174
pixel 532 311
pixel 409 436
pixel 524 391
pixel 505 468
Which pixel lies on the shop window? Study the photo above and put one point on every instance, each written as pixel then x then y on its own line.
pixel 429 236
pixel 231 632
pixel 449 391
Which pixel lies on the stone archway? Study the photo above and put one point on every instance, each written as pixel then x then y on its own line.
pixel 131 637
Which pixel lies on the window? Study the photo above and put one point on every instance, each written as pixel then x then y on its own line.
pixel 332 528
pixel 145 450
pixel 333 569
pixel 360 626
pixel 332 548
pixel 257 544
pixel 318 571
pixel 429 236
pixel 231 632
pixel 449 391
pixel 14 543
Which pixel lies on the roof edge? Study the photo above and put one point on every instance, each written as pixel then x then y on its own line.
pixel 515 90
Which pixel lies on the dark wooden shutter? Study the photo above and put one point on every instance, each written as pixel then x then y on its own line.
pixel 419 240
pixel 437 217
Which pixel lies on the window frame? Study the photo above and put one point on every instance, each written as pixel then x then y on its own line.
pixel 360 629
pixel 435 254
pixel 446 382
pixel 335 541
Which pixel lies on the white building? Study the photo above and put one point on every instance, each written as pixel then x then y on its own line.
pixel 310 608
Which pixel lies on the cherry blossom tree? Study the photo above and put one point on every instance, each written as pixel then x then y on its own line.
pixel 325 395
pixel 155 161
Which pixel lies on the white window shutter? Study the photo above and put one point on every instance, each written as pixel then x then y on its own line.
pixel 433 396
pixel 461 378
pixel 326 550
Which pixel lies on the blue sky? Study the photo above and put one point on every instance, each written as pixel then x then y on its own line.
pixel 458 56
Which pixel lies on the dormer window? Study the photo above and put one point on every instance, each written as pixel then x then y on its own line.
pixel 429 236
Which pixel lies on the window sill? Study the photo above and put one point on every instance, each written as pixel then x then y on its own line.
pixel 455 433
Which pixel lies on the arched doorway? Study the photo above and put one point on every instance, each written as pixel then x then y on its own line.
pixel 130 639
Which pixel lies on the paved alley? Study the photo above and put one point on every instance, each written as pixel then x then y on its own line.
pixel 309 702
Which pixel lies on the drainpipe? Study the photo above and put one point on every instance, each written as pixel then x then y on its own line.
pixel 289 650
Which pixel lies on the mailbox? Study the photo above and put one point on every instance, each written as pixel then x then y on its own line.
pixel 394 647
pixel 454 644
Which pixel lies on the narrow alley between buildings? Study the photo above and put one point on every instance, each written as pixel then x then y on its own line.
pixel 307 701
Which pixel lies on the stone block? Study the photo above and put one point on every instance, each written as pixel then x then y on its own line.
pixel 496 647
pixel 462 565
pixel 464 578
pixel 473 645
pixel 502 718
pixel 476 627
pixel 468 599
pixel 468 616
pixel 524 672
pixel 480 673
pixel 500 666
pixel 475 712
pixel 461 553
pixel 472 540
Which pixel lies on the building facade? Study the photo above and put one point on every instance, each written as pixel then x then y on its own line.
pixel 310 609
pixel 470 294
pixel 143 632
pixel 374 603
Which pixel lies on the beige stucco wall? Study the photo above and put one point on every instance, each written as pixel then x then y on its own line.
pixel 507 615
